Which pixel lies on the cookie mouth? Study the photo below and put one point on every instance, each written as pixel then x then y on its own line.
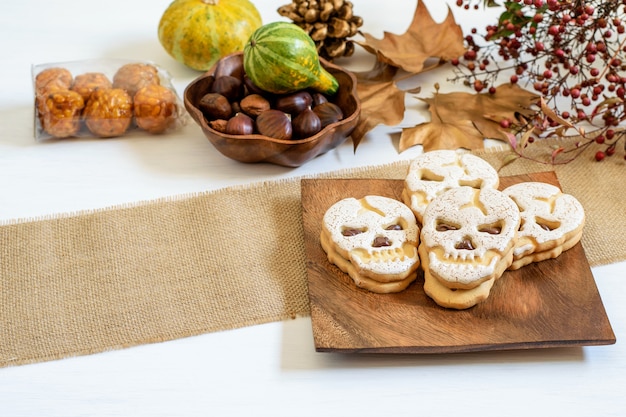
pixel 463 270
pixel 464 257
pixel 391 260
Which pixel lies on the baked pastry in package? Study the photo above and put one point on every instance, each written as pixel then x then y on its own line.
pixel 104 99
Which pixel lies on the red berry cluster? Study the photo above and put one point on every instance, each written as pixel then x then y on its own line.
pixel 573 53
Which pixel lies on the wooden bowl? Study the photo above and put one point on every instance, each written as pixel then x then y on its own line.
pixel 258 148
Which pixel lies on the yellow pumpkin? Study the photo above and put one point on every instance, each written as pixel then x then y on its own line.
pixel 198 33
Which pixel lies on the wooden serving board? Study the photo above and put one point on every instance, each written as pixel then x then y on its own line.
pixel 553 303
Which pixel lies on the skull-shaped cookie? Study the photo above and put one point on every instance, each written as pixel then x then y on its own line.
pixel 551 222
pixel 434 172
pixel 468 236
pixel 374 239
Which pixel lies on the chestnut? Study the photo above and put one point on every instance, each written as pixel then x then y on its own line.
pixel 215 106
pixel 306 124
pixel 251 88
pixel 240 124
pixel 228 86
pixel 319 98
pixel 275 124
pixel 328 113
pixel 254 104
pixel 219 125
pixel 294 103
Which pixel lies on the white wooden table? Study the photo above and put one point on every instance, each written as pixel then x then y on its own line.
pixel 267 370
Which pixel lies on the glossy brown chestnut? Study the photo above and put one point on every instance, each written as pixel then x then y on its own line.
pixel 251 88
pixel 294 103
pixel 318 98
pixel 306 124
pixel 215 106
pixel 228 86
pixel 240 124
pixel 254 104
pixel 328 113
pixel 275 124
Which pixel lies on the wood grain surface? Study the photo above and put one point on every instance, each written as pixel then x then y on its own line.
pixel 553 303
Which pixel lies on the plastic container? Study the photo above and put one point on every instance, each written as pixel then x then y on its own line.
pixel 104 99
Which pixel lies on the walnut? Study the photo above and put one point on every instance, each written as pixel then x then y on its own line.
pixel 108 112
pixel 53 79
pixel 132 77
pixel 60 112
pixel 155 108
pixel 85 84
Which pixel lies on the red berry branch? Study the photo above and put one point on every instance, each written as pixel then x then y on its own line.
pixel 570 52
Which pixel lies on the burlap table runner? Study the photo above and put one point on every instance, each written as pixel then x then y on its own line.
pixel 107 279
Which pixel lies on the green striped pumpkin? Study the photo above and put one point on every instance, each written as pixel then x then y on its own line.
pixel 280 57
pixel 198 33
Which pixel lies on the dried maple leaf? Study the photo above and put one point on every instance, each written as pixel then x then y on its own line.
pixel 424 39
pixel 381 102
pixel 440 135
pixel 464 120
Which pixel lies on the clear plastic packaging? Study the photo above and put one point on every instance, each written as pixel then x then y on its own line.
pixel 104 99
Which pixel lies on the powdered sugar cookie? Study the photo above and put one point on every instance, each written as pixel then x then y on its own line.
pixel 374 240
pixel 434 172
pixel 467 239
pixel 455 298
pixel 552 222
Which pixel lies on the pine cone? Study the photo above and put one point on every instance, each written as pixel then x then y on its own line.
pixel 330 23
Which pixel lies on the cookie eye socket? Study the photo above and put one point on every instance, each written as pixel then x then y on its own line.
pixel 428 175
pixel 353 231
pixel 398 224
pixel 394 226
pixel 474 183
pixel 547 224
pixel 492 229
pixel 444 226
